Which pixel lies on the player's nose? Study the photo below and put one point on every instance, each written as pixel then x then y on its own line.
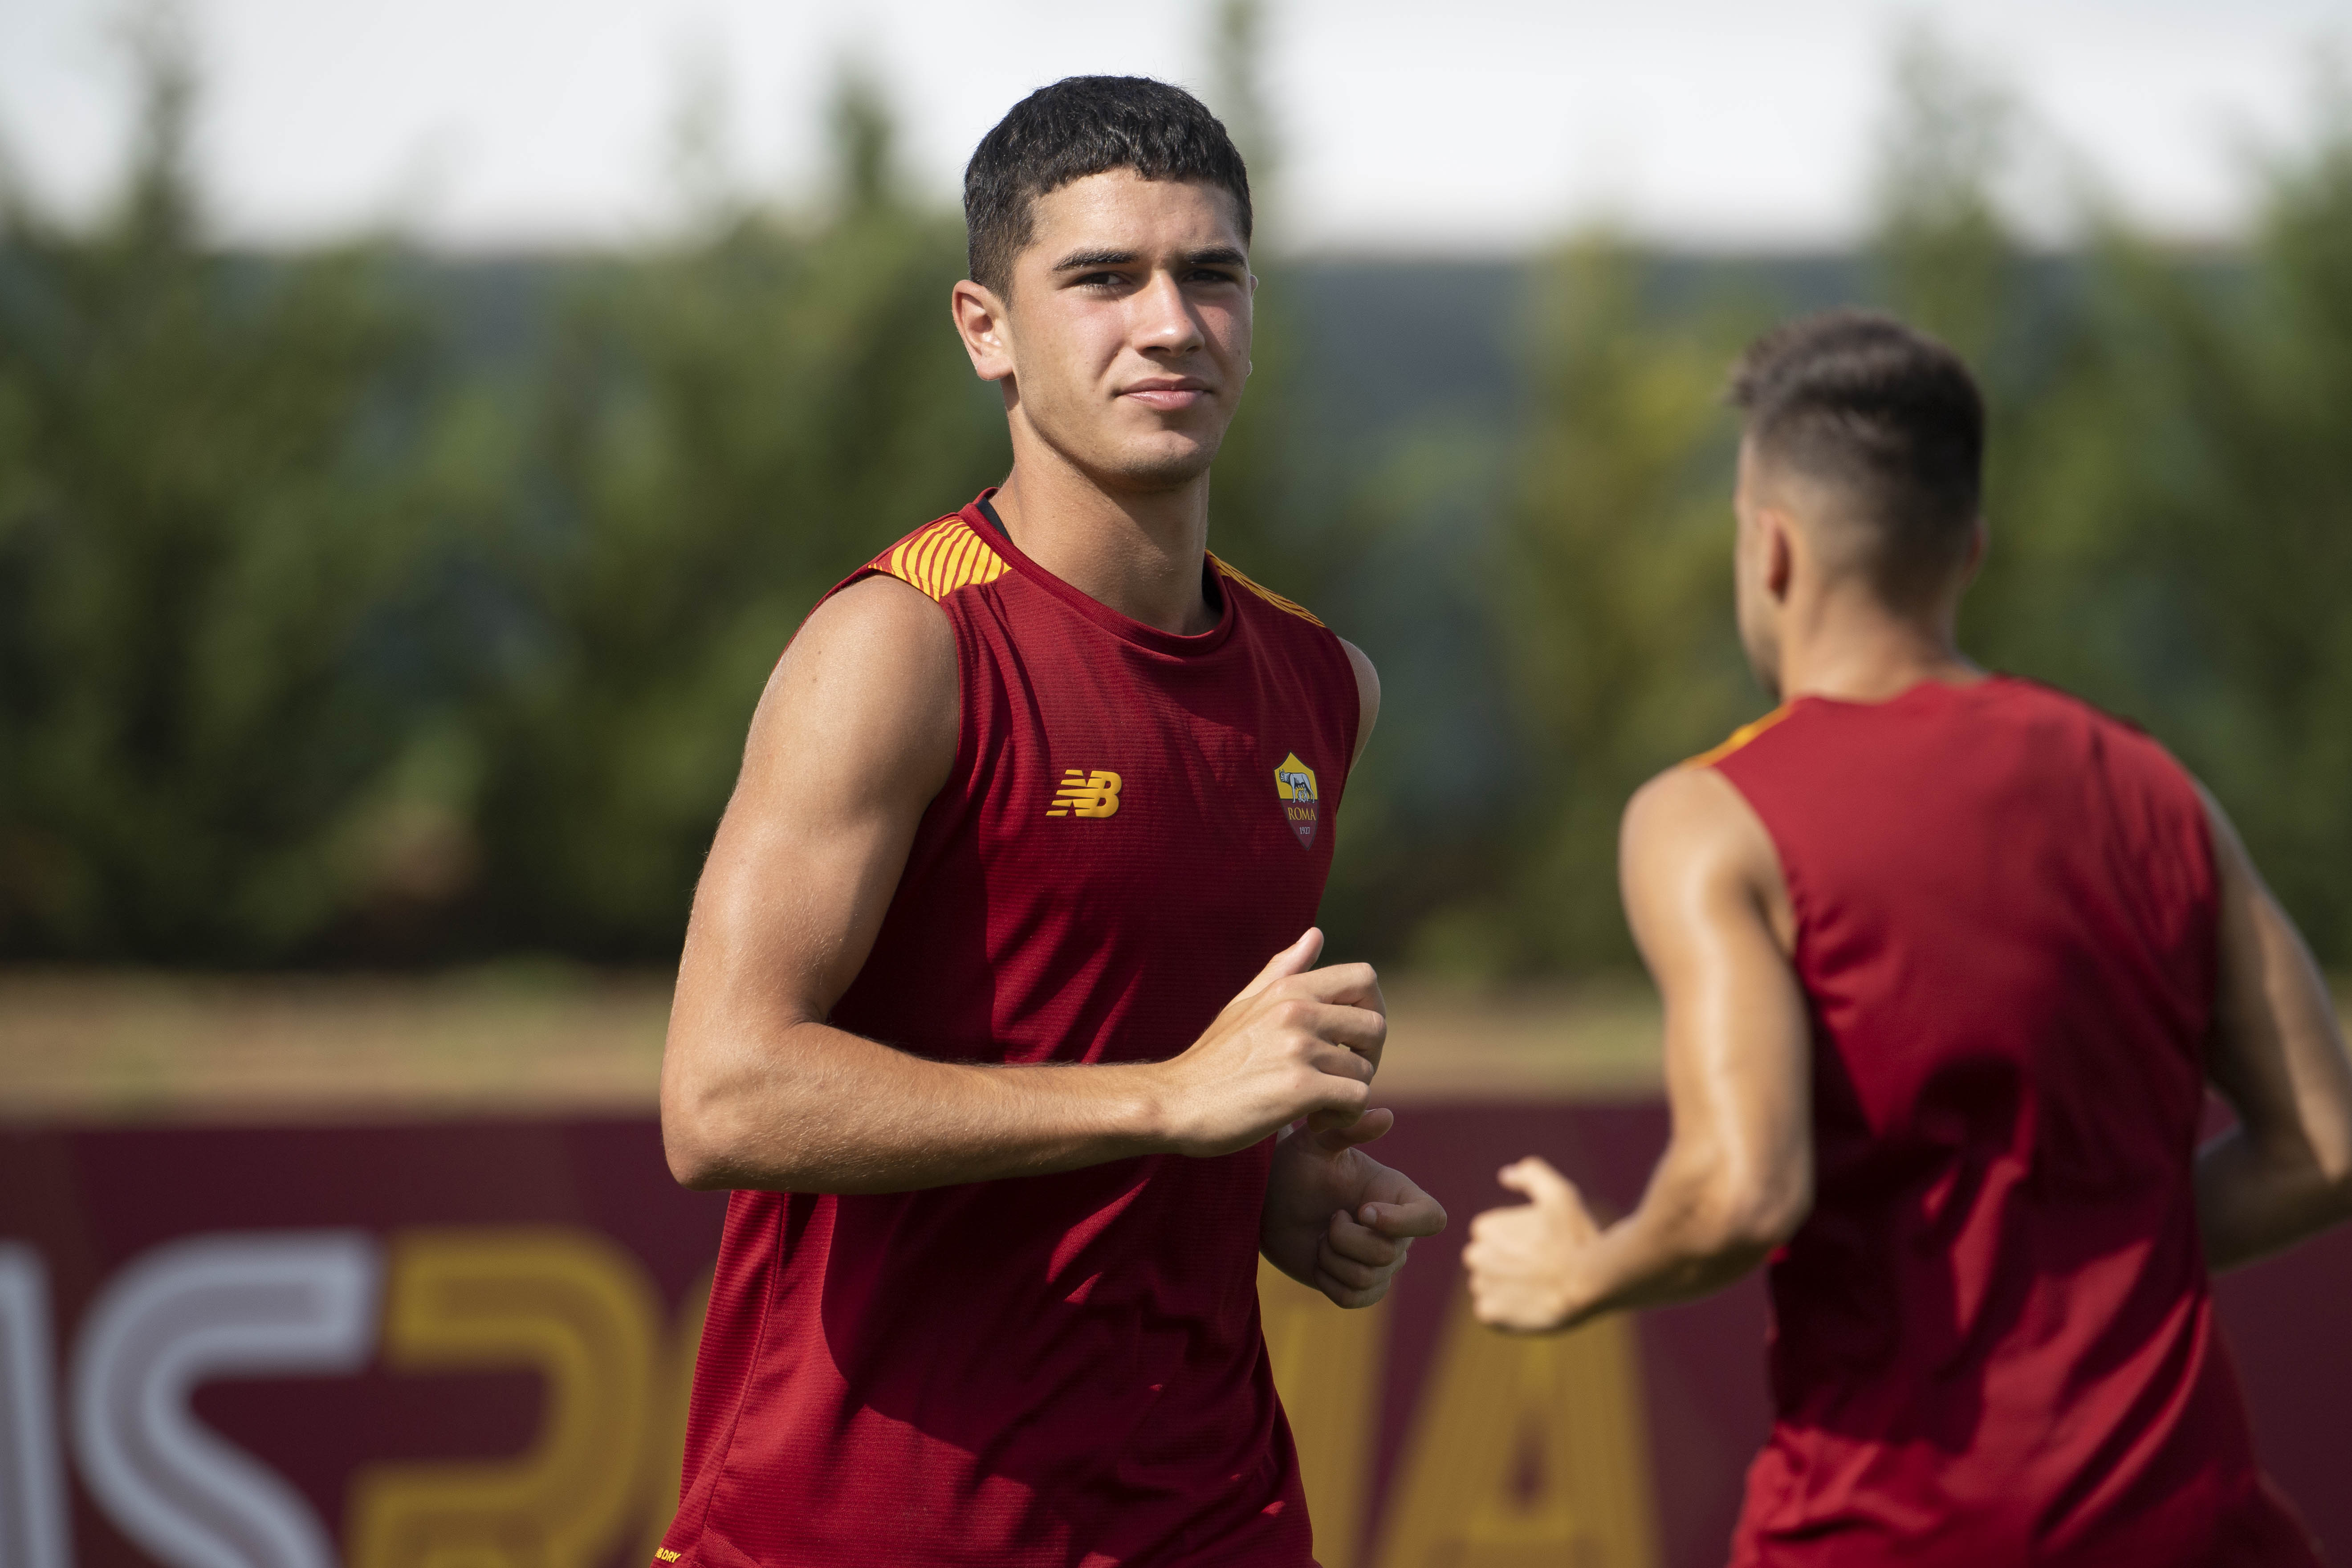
pixel 1163 319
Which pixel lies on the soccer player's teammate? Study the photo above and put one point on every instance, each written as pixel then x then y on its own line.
pixel 1949 961
pixel 975 1013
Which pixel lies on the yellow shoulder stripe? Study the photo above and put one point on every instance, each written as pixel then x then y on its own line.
pixel 1738 738
pixel 944 557
pixel 1288 606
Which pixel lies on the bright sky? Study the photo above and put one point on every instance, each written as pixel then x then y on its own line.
pixel 1473 125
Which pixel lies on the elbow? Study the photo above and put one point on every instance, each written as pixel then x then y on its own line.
pixel 2331 1153
pixel 694 1161
pixel 694 1168
pixel 695 1141
pixel 1745 1218
pixel 2320 1159
pixel 2335 1176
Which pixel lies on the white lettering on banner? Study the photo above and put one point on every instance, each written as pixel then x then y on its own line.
pixel 33 1531
pixel 254 1303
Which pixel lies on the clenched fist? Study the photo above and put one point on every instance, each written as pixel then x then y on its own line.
pixel 1524 1261
pixel 1297 1041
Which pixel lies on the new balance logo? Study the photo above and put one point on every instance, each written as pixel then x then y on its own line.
pixel 1084 794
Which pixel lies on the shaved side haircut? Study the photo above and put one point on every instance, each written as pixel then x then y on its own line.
pixel 1086 125
pixel 1885 417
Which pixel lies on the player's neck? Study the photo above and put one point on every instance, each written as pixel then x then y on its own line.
pixel 1864 652
pixel 1140 552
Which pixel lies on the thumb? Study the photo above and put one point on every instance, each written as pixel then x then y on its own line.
pixel 1331 1138
pixel 1296 959
pixel 1541 1184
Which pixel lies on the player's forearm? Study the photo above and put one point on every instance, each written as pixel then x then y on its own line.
pixel 2254 1200
pixel 1697 1229
pixel 818 1110
pixel 1638 1264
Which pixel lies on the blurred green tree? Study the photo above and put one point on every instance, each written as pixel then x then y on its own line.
pixel 2234 465
pixel 204 534
pixel 2060 597
pixel 1270 511
pixel 726 427
pixel 1612 592
pixel 320 642
pixel 1944 252
pixel 2168 490
pixel 1946 261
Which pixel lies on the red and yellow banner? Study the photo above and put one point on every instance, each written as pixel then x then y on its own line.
pixel 470 1343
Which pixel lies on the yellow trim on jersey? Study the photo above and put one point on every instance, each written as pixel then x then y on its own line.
pixel 1738 738
pixel 1289 606
pixel 946 556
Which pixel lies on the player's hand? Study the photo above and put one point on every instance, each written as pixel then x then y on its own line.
pixel 1339 1220
pixel 1297 1041
pixel 1525 1261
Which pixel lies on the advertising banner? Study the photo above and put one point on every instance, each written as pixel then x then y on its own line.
pixel 469 1343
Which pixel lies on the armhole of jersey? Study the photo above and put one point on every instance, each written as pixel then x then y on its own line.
pixel 1738 739
pixel 938 559
pixel 1355 685
pixel 1792 886
pixel 1226 572
pixel 883 566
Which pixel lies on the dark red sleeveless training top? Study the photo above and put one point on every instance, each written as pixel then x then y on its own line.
pixel 1993 1340
pixel 1060 1370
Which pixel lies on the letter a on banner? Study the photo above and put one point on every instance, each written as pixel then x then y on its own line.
pixel 1327 1367
pixel 1528 1453
pixel 33 1531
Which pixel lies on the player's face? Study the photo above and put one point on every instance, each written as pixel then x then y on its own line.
pixel 1756 607
pixel 1127 332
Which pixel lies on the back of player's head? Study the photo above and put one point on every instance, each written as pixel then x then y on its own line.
pixel 1086 125
pixel 1884 418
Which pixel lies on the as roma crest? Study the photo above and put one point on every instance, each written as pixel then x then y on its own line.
pixel 1294 781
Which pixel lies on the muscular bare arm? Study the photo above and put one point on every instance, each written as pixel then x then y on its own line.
pixel 2277 1056
pixel 1703 892
pixel 855 735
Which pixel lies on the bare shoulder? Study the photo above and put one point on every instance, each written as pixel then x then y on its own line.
pixel 1367 692
pixel 870 678
pixel 878 626
pixel 1689 810
pixel 1689 834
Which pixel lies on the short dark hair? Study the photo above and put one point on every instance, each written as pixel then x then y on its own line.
pixel 1086 125
pixel 1885 413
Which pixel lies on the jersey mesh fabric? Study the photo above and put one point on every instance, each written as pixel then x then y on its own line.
pixel 1993 1340
pixel 1060 1370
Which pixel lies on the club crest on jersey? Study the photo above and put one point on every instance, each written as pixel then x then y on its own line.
pixel 1294 781
pixel 1084 794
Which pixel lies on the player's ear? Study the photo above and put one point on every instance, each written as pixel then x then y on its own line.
pixel 1779 553
pixel 981 322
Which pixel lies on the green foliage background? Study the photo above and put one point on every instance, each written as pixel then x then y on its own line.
pixel 325 639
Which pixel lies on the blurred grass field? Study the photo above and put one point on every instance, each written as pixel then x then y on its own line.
pixel 131 1047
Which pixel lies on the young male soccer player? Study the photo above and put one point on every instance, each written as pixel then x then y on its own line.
pixel 1948 961
pixel 976 1013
